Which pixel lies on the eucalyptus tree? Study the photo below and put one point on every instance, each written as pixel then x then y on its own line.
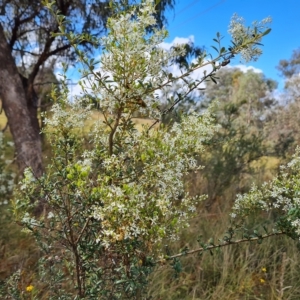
pixel 284 125
pixel 245 101
pixel 290 67
pixel 27 43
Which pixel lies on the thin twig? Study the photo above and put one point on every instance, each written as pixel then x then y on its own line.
pixel 82 231
pixel 210 247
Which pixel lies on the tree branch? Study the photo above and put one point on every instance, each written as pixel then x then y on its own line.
pixel 18 23
pixel 24 51
pixel 210 247
pixel 62 48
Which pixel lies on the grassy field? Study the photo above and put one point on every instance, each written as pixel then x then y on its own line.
pixel 267 271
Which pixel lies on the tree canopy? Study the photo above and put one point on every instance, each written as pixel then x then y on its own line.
pixel 30 41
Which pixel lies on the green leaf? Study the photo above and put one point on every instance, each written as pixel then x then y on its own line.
pixel 213 80
pixel 266 32
pixel 215 48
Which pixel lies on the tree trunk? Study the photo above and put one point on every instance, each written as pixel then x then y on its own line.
pixel 22 119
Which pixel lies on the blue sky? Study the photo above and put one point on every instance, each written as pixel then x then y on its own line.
pixel 203 18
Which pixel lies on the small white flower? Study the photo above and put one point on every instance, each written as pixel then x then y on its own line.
pixel 50 215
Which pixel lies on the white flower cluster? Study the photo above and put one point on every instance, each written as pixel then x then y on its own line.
pixel 242 34
pixel 74 116
pixel 141 190
pixel 281 194
pixel 29 221
pixel 28 179
pixel 132 63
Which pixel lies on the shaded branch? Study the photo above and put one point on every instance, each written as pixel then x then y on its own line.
pixel 24 51
pixel 82 231
pixel 18 23
pixel 43 57
pixel 59 49
pixel 63 7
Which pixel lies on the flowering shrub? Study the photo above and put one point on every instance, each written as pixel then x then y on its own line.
pixel 111 196
pixel 281 195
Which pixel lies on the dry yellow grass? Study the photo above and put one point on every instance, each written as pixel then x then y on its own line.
pixel 265 167
pixel 248 271
pixel 96 116
pixel 3 120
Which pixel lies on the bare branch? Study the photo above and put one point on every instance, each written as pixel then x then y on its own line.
pixel 211 247
pixel 18 23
